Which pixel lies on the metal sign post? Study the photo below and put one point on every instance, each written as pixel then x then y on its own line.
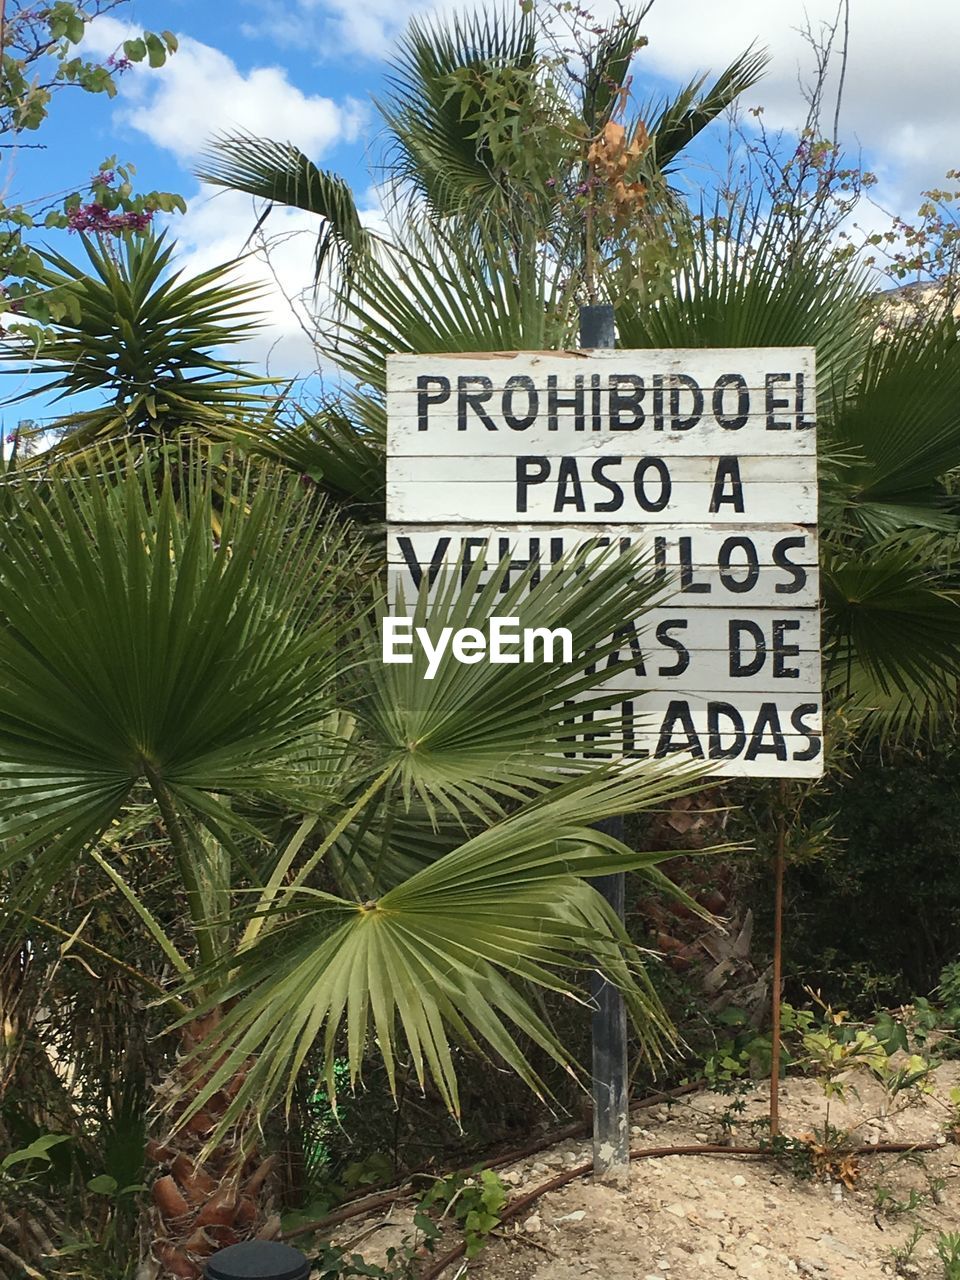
pixel 610 1073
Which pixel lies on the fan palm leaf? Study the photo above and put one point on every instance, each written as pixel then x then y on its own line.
pixel 442 959
pixel 442 291
pixel 139 653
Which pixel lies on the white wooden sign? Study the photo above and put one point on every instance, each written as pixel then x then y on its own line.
pixel 706 458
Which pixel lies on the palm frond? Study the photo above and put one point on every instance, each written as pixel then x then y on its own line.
pixel 135 646
pixel 899 423
pixel 442 291
pixel 434 149
pixel 675 123
pixel 734 289
pixel 444 958
pixel 280 173
pixel 893 624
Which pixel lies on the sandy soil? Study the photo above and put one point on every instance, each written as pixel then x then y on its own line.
pixel 699 1217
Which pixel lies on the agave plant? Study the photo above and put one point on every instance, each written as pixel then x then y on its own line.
pixel 364 858
pixel 143 341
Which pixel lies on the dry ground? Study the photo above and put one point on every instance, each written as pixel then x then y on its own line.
pixel 715 1218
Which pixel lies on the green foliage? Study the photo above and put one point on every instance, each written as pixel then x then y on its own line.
pixel 40 59
pixel 136 333
pixel 948 1251
pixel 37 1150
pixel 280 173
pixel 474 1199
pixel 336 1262
pixel 892 813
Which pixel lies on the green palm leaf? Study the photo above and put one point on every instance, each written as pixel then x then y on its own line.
pixel 443 959
pixel 280 173
pixel 893 625
pixel 734 289
pixel 443 291
pixel 899 425
pixel 476 735
pixel 675 123
pixel 434 149
pixel 137 651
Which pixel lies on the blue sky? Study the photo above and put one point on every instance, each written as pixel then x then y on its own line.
pixel 306 70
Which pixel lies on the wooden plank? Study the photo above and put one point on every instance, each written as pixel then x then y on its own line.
pixel 707 363
pixel 772 565
pixel 710 671
pixel 404 438
pixel 700 585
pixel 772 735
pixel 619 468
pixel 475 502
pixel 713 649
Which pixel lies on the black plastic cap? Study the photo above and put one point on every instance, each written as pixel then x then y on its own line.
pixel 258 1260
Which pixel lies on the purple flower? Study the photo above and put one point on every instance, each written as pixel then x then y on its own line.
pixel 551 182
pixel 97 218
pixel 103 179
pixel 119 64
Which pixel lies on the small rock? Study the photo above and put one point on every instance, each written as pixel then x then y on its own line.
pixel 652 1276
pixel 738 1180
pixel 578 1215
pixel 729 1260
pixel 511 1178
pixel 533 1225
pixel 702 1137
pixel 811 1266
pixel 677 1209
pixel 635 1130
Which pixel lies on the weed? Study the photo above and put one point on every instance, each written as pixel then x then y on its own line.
pixel 902 1256
pixel 948 1247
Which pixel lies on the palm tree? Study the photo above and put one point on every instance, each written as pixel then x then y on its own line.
pixel 487 128
pixel 363 857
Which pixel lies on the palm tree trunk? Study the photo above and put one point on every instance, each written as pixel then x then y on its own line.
pixel 202 1203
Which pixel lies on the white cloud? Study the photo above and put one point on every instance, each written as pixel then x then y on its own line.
pixel 899 102
pixel 217 228
pixel 200 91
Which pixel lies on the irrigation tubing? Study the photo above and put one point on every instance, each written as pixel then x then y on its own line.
pixel 370 1202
